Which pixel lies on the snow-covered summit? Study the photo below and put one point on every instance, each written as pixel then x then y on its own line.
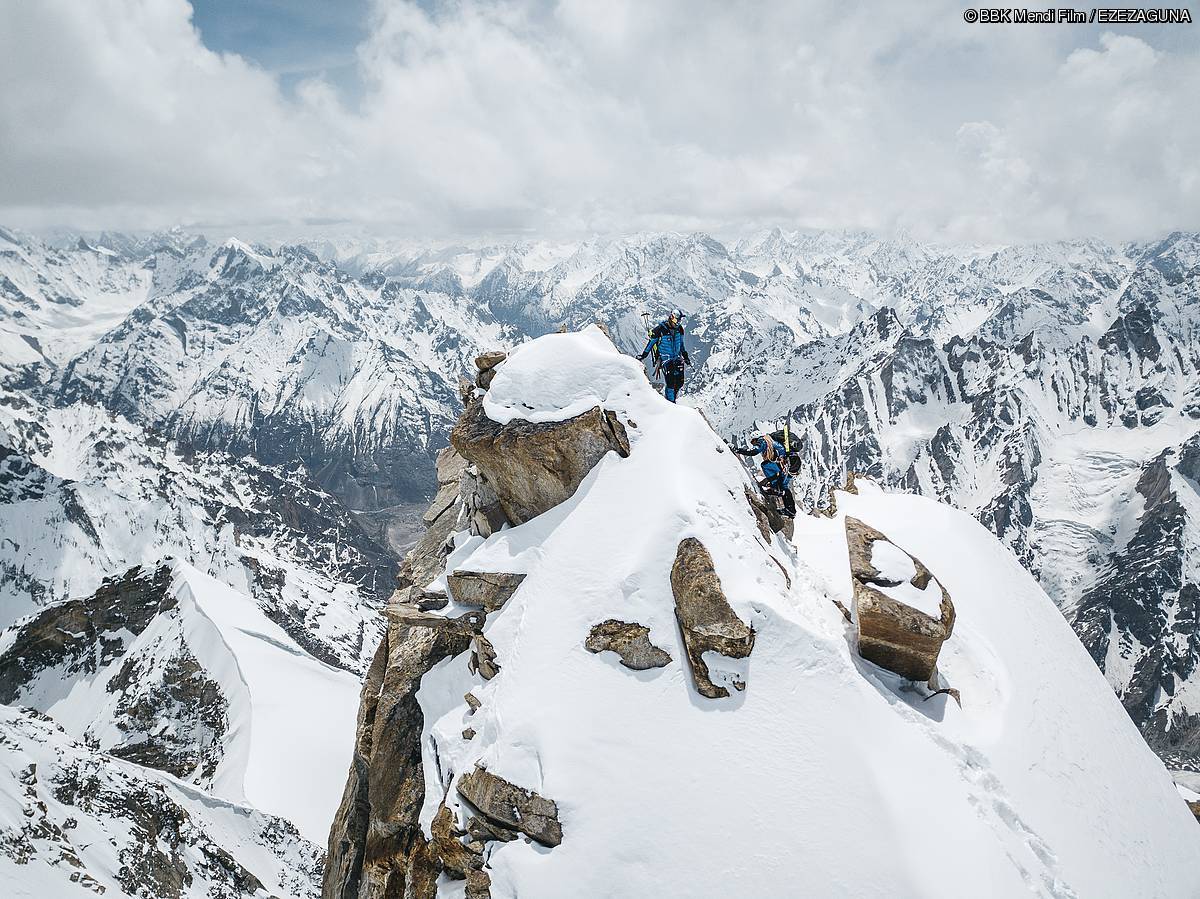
pixel 559 376
pixel 808 769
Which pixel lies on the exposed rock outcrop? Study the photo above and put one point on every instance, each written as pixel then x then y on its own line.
pixel 480 512
pixel 770 519
pixel 893 634
pixel 489 360
pixel 426 560
pixel 534 467
pixel 486 367
pixel 488 590
pixel 507 805
pixel 629 641
pixel 376 847
pixel 705 617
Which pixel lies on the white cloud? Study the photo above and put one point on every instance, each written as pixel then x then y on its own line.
pixel 499 115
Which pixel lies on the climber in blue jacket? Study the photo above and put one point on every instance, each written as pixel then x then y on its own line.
pixel 778 465
pixel 666 342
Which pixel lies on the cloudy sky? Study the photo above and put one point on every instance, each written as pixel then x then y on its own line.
pixel 482 118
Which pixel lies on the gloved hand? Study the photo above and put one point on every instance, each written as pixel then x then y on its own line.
pixel 641 356
pixel 743 451
pixel 686 359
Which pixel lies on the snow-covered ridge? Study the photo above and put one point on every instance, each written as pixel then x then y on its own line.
pixel 845 752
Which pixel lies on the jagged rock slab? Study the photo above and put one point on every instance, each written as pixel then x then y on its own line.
pixel 892 634
pixel 443 502
pixel 489 360
pixel 508 805
pixel 769 518
pixel 450 466
pixel 483 380
pixel 630 641
pixel 376 847
pixel 534 467
pixel 481 511
pixel 488 590
pixel 483 657
pixel 704 615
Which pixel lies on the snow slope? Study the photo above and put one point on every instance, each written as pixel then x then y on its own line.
pixel 296 711
pixel 827 775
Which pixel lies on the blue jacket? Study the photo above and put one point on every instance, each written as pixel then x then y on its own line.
pixel 669 341
pixel 761 444
pixel 776 475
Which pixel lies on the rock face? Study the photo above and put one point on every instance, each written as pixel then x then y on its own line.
pixel 428 557
pixel 769 518
pixel 704 616
pixel 891 633
pixel 534 467
pixel 508 805
pixel 376 847
pixel 630 641
pixel 484 589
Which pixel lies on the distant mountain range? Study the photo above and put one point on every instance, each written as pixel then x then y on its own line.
pixel 265 414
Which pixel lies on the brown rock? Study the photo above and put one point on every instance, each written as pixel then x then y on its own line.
pixel 455 856
pixel 488 590
pixel 480 512
pixel 630 641
pixel 1193 806
pixel 427 558
pixel 769 517
pixel 445 499
pixel 893 634
pixel 704 615
pixel 450 466
pixel 376 847
pixel 466 390
pixel 483 380
pixel 484 832
pixel 490 360
pixel 472 701
pixel 534 467
pixel 431 602
pixel 483 658
pixel 508 805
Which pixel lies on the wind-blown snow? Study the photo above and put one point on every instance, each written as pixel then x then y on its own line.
pixel 826 771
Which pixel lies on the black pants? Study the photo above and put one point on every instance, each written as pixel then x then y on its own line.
pixel 673 375
pixel 789 501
